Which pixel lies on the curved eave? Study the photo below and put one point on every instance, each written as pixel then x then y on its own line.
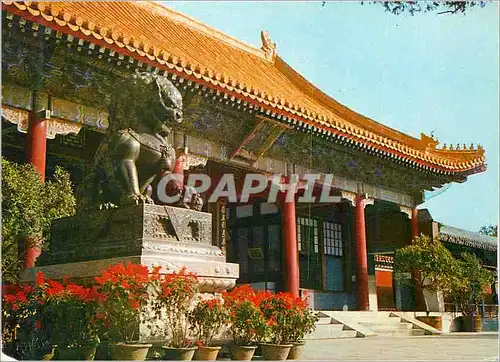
pixel 471 243
pixel 329 126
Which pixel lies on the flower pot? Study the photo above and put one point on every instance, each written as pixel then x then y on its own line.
pixel 102 352
pixel 433 321
pixel 242 353
pixel 178 354
pixel 83 353
pixel 471 323
pixel 205 353
pixel 297 350
pixel 129 352
pixel 275 352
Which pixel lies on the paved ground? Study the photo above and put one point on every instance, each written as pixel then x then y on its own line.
pixel 447 347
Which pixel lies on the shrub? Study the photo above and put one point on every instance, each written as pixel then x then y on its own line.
pixel 171 305
pixel 28 208
pixel 428 260
pixel 247 322
pixel 68 313
pixel 207 320
pixel 302 320
pixel 122 294
pixel 469 283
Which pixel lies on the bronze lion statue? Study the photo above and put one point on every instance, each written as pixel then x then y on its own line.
pixel 136 150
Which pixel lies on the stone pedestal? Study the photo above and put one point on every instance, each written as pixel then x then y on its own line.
pixel 85 244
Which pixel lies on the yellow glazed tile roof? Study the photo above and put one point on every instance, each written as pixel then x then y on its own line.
pixel 175 42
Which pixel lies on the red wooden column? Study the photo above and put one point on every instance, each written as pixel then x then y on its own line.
pixel 414 223
pixel 36 155
pixel 419 294
pixel 37 142
pixel 290 252
pixel 179 168
pixel 361 255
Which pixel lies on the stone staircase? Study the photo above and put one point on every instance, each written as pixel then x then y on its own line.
pixel 387 324
pixel 333 325
pixel 329 328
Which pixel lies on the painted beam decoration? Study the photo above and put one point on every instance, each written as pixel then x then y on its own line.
pixel 79 67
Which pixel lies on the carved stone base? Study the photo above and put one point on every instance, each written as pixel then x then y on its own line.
pixel 85 244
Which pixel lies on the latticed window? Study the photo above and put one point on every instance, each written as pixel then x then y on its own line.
pixel 332 238
pixel 307 235
pixel 308 244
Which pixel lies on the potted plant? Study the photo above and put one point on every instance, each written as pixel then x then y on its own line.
pixel 430 264
pixel 470 282
pixel 23 335
pixel 302 322
pixel 172 303
pixel 122 294
pixel 247 323
pixel 207 320
pixel 68 312
pixel 277 310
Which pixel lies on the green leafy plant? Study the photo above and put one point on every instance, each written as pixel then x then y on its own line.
pixel 172 304
pixel 469 282
pixel 429 262
pixel 28 208
pixel 439 7
pixel 491 230
pixel 207 320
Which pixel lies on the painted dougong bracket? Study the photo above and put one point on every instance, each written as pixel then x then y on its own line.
pixel 259 140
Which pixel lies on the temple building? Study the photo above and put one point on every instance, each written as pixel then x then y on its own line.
pixel 245 111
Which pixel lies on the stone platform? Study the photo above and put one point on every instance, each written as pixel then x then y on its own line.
pixel 84 244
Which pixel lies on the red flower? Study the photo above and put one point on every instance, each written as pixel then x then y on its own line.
pixel 21 297
pixel 271 322
pixel 94 294
pixel 38 324
pixel 134 303
pixel 166 292
pixel 9 298
pixel 15 307
pixel 40 278
pixel 125 284
pixel 54 288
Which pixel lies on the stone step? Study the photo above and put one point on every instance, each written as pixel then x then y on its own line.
pixel 367 314
pixel 324 320
pixel 348 334
pixel 387 326
pixel 328 331
pixel 401 332
pixel 379 320
pixel 417 332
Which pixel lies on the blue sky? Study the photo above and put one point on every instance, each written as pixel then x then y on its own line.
pixel 417 74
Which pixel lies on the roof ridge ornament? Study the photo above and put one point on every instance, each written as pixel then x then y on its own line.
pixel 268 46
pixel 428 142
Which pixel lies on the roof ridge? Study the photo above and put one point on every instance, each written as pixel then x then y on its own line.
pixel 475 233
pixel 195 24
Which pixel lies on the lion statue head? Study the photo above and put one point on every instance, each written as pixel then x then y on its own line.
pixel 145 101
